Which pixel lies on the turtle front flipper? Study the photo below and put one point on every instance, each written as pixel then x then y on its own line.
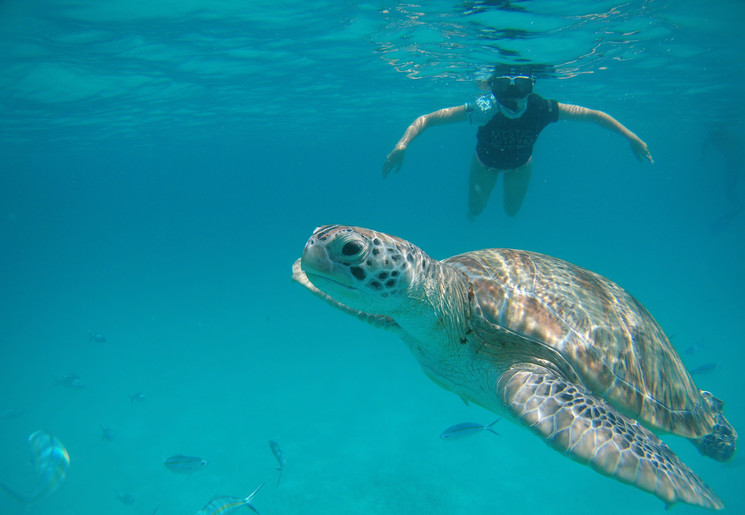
pixel 592 432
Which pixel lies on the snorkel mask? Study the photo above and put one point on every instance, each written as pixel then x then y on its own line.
pixel 512 93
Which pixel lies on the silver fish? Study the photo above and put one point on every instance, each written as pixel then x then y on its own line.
pixel 184 464
pixel 705 368
pixel 10 413
pixel 693 348
pixel 70 381
pixel 51 462
pixel 96 338
pixel 106 433
pixel 274 446
pixel 466 429
pixel 223 504
pixel 139 396
pixel 125 498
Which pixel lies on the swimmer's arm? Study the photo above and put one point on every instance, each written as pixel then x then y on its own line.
pixel 441 117
pixel 579 113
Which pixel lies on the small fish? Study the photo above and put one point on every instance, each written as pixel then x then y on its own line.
pixel 274 446
pixel 106 433
pixel 96 338
pixel 125 498
pixel 222 504
pixel 11 413
pixel 184 464
pixel 693 348
pixel 466 429
pixel 70 381
pixel 139 396
pixel 51 462
pixel 705 368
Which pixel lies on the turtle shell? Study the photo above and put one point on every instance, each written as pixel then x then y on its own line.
pixel 586 322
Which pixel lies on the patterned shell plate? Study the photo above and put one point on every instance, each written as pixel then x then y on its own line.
pixel 610 340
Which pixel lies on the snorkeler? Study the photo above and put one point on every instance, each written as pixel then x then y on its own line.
pixel 509 119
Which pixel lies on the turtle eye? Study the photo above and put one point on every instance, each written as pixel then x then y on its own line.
pixel 351 248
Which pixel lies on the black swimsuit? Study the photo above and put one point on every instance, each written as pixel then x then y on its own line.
pixel 507 143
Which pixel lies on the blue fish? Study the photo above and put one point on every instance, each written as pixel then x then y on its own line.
pixel 106 433
pixel 705 368
pixel 10 413
pixel 467 429
pixel 223 504
pixel 70 381
pixel 96 338
pixel 184 464
pixel 280 457
pixel 51 462
pixel 125 498
pixel 693 348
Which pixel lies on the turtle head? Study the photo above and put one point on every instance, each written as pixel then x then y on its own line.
pixel 364 270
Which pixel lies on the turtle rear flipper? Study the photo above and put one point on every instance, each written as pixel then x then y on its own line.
pixel 720 444
pixel 592 432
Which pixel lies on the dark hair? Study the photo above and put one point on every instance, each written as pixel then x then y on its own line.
pixel 533 71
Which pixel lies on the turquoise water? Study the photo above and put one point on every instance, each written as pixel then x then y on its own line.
pixel 163 163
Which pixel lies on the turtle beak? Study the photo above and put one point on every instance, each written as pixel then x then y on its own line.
pixel 319 265
pixel 316 260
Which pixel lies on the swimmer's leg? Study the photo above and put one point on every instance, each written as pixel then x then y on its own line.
pixel 480 183
pixel 516 186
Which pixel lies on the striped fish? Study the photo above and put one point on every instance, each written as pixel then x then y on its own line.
pixel 184 464
pixel 51 462
pixel 70 381
pixel 274 446
pixel 223 504
pixel 466 429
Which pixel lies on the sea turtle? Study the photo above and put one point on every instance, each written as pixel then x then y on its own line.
pixel 557 348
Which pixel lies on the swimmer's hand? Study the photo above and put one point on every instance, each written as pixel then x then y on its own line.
pixel 641 151
pixel 394 160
